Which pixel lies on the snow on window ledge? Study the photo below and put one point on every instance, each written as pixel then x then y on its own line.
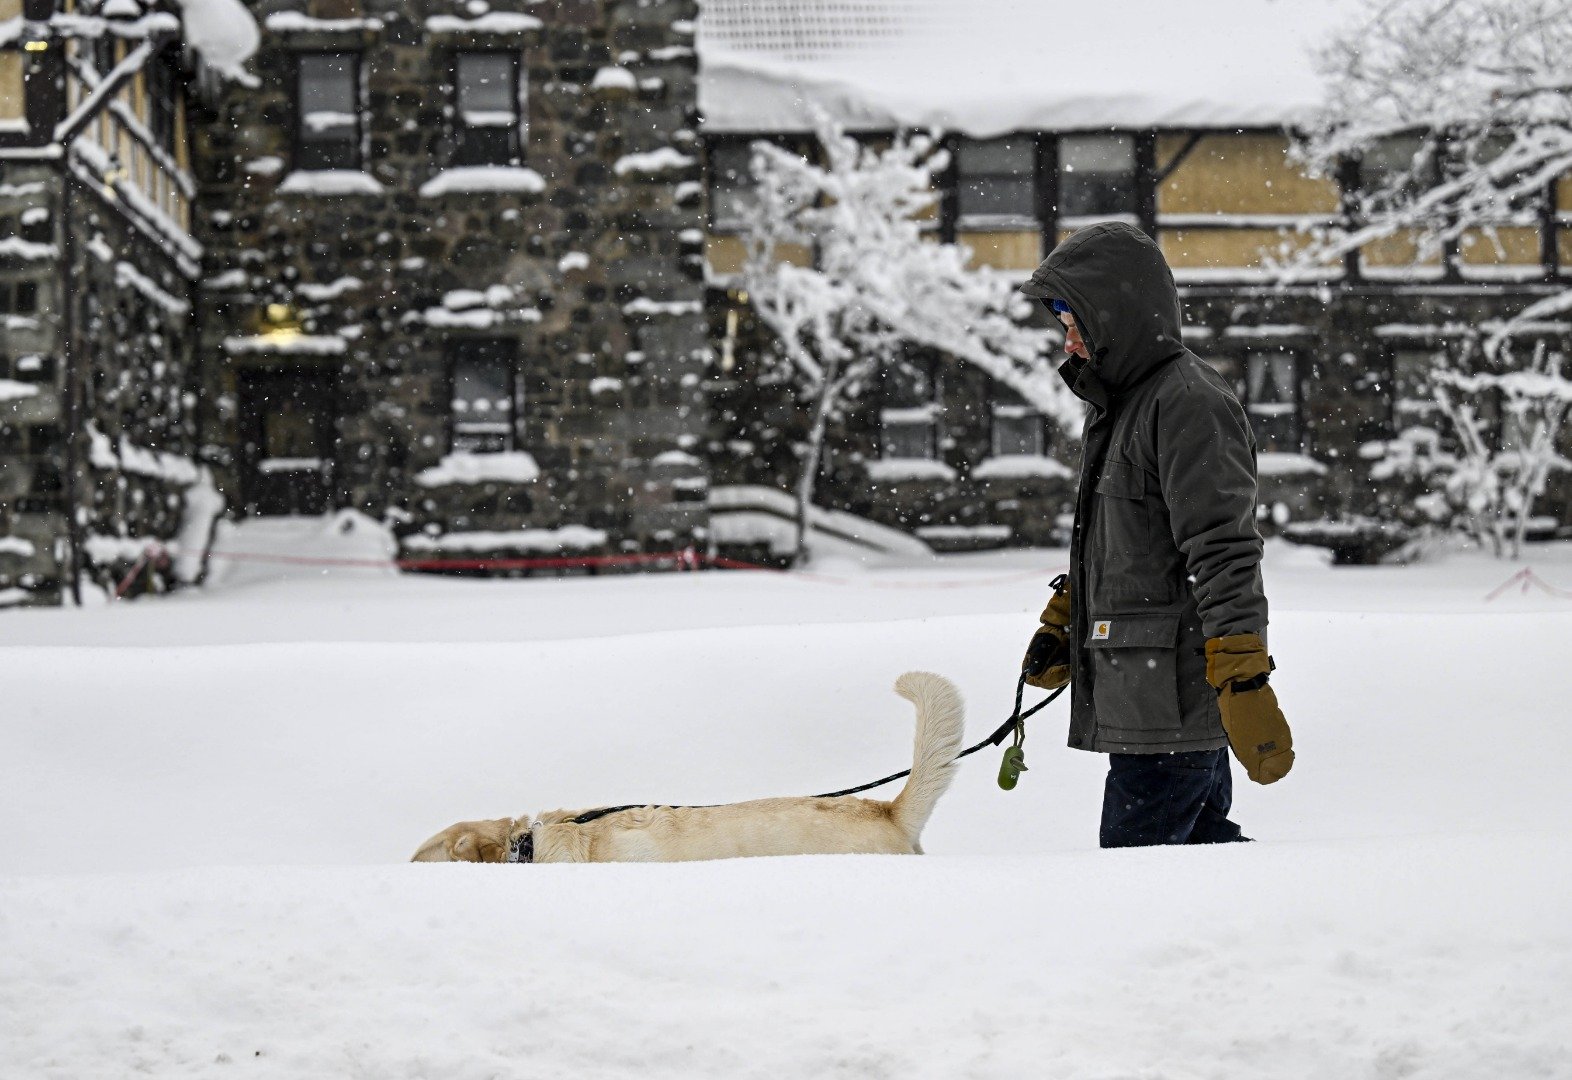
pixel 330 182
pixel 1278 463
pixel 12 390
pixel 19 546
pixel 492 22
pixel 1022 467
pixel 654 163
pixel 308 344
pixel 298 22
pixel 477 178
pixel 895 470
pixel 507 467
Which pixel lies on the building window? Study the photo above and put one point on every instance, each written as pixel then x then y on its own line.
pixel 909 421
pixel 1389 158
pixel 1272 400
pixel 327 127
pixel 487 124
pixel 1097 176
pixel 731 183
pixel 161 91
pixel 1017 431
pixel 1413 402
pixel 996 183
pixel 909 433
pixel 483 395
pixel 18 297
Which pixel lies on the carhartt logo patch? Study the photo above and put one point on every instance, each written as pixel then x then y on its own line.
pixel 1100 631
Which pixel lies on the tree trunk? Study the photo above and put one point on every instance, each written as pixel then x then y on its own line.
pixel 810 461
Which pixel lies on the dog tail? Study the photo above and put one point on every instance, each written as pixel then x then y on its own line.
pixel 941 722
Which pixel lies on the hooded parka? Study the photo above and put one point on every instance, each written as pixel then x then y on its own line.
pixel 1165 552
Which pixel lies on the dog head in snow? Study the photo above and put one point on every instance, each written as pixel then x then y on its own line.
pixel 473 841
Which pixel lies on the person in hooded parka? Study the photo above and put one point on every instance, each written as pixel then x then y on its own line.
pixel 1160 625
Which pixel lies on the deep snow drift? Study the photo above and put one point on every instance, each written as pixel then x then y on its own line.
pixel 205 802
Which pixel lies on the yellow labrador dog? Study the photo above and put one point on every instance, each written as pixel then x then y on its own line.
pixel 796 826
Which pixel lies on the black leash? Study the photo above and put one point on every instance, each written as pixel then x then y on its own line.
pixel 1015 723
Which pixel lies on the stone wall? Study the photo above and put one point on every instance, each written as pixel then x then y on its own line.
pixel 591 268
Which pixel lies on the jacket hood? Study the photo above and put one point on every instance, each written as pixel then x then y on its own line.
pixel 1119 286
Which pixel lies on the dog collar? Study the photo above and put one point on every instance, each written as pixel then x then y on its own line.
pixel 522 850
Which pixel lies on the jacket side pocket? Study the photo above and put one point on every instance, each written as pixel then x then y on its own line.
pixel 1135 677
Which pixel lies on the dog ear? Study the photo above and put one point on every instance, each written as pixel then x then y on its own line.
pixel 466 849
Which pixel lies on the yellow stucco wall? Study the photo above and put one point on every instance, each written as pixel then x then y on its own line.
pixel 11 104
pixel 1219 249
pixel 1518 247
pixel 727 254
pixel 1004 250
pixel 1239 174
pixel 1395 251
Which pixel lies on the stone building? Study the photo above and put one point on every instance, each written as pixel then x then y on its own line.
pixel 1059 118
pixel 439 262
pixel 453 273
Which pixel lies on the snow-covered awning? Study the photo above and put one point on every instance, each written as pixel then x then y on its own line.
pixel 985 67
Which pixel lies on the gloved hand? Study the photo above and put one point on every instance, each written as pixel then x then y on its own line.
pixel 1047 661
pixel 1238 667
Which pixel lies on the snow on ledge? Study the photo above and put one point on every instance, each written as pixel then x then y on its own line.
pixel 298 22
pixel 476 178
pixel 493 22
pixel 895 470
pixel 1021 467
pixel 510 467
pixel 614 78
pixel 654 162
pixel 330 182
pixel 566 538
pixel 645 306
pixel 1276 463
pixel 17 545
pixel 307 344
pixel 11 390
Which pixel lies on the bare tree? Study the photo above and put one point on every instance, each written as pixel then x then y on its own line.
pixel 879 282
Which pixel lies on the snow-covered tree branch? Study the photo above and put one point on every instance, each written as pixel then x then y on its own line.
pixel 880 284
pixel 1466 105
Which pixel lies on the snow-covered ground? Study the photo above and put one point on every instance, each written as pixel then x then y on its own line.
pixel 205 802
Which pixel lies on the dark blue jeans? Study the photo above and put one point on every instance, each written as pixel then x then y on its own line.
pixel 1168 799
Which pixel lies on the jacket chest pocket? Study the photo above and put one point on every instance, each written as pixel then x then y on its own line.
pixel 1135 674
pixel 1124 524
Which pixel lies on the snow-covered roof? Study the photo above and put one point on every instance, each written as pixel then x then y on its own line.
pixel 985 67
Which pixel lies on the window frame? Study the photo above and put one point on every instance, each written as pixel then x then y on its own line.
pixel 298 136
pixel 1031 220
pixel 1010 411
pixel 1139 176
pixel 1300 432
pixel 518 130
pixel 508 358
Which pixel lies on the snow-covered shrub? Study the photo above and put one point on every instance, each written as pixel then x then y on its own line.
pixel 1480 476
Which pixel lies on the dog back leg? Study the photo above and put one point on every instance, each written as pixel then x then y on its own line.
pixel 941 723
